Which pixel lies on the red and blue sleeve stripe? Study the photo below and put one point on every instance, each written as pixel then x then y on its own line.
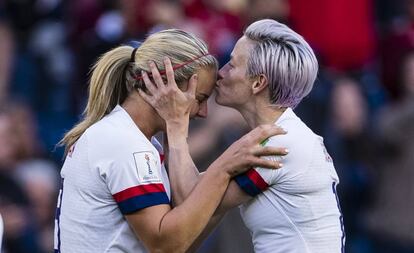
pixel 138 197
pixel 251 182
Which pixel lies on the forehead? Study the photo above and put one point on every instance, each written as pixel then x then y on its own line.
pixel 242 49
pixel 206 80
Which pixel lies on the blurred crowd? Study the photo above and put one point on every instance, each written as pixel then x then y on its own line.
pixel 362 103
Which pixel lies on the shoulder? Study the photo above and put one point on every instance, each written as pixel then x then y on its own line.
pixel 300 140
pixel 114 138
pixel 299 136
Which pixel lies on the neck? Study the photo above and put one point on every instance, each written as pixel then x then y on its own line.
pixel 259 113
pixel 144 116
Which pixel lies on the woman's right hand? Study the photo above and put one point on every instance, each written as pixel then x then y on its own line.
pixel 247 152
pixel 171 103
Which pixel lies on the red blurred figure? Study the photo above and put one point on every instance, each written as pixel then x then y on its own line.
pixel 341 31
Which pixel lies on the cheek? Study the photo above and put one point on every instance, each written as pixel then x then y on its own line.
pixel 231 85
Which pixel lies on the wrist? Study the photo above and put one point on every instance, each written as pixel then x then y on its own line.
pixel 177 135
pixel 218 167
pixel 178 121
pixel 218 173
pixel 178 124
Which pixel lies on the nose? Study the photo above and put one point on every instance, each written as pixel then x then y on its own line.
pixel 202 111
pixel 220 73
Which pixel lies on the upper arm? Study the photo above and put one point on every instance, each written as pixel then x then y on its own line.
pixel 135 181
pixel 253 182
pixel 257 180
pixel 246 186
pixel 233 197
pixel 136 184
pixel 146 223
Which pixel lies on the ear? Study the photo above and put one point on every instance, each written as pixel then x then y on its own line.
pixel 259 84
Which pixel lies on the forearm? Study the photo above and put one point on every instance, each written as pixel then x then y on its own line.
pixel 183 173
pixel 214 221
pixel 195 212
pixel 184 176
pixel 233 197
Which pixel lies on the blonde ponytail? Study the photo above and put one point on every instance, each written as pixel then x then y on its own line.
pixel 107 89
pixel 116 73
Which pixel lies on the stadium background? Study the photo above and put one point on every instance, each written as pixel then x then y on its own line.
pixel 362 103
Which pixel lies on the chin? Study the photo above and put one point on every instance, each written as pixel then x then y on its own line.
pixel 221 102
pixel 218 100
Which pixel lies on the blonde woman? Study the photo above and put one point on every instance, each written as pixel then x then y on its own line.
pixel 115 194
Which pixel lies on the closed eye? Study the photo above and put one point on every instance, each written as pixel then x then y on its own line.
pixel 201 98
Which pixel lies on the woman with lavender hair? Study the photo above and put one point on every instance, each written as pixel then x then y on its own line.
pixel 291 210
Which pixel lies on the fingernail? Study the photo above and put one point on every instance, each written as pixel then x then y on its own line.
pixel 286 151
pixel 284 130
pixel 196 77
pixel 165 58
pixel 280 165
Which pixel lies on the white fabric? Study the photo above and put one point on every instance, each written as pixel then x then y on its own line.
pixel 299 212
pixel 1 231
pixel 111 157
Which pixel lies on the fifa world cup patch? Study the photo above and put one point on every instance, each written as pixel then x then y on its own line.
pixel 147 167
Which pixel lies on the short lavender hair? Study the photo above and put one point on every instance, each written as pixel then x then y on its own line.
pixel 285 58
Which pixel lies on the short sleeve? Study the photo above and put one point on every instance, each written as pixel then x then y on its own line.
pixel 135 181
pixel 256 180
pixel 251 182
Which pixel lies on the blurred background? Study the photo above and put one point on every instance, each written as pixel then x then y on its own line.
pixel 362 103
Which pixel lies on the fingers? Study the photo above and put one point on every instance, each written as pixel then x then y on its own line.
pixel 169 71
pixel 260 152
pixel 265 163
pixel 147 82
pixel 263 132
pixel 192 85
pixel 156 75
pixel 269 151
pixel 147 98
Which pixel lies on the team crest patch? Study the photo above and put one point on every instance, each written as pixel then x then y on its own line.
pixel 147 167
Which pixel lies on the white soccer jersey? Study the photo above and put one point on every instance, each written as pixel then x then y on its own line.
pixel 295 209
pixel 112 170
pixel 1 231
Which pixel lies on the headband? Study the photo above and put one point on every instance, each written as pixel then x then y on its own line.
pixel 175 66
